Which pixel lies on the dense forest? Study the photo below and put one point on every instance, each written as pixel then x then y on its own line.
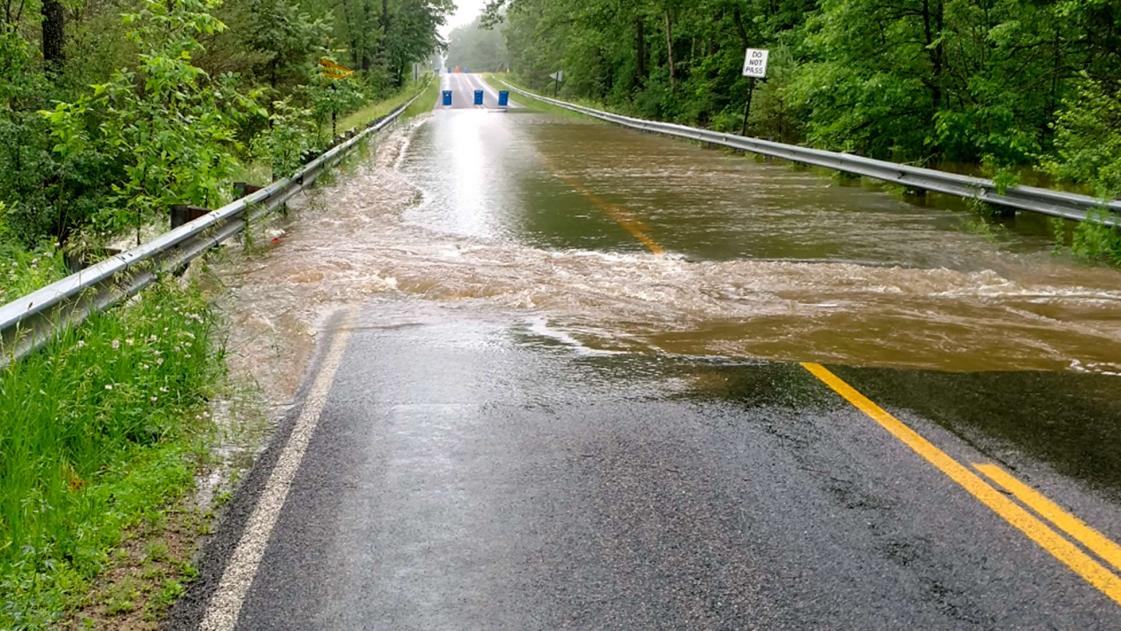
pixel 478 49
pixel 112 110
pixel 1006 84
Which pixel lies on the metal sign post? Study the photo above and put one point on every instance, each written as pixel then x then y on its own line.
pixel 754 67
pixel 557 77
pixel 335 72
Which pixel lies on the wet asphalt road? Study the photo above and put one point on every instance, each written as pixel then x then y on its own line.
pixel 463 87
pixel 475 471
pixel 492 477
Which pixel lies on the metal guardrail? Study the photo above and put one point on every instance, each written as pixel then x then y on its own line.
pixel 28 322
pixel 1039 200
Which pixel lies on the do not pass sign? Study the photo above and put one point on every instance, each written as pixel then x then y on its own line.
pixel 755 63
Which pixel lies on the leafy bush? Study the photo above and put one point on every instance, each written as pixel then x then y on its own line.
pixel 1088 139
pixel 291 133
pixel 173 140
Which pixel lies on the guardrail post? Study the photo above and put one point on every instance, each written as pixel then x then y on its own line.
pixel 914 192
pixel 245 188
pixel 183 214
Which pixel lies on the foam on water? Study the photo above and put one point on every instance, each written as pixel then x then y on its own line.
pixel 362 238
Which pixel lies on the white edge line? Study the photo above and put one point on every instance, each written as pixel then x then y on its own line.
pixel 225 605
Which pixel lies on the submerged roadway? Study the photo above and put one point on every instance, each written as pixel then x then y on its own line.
pixel 453 469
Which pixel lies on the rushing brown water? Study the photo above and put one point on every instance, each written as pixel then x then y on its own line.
pixel 551 220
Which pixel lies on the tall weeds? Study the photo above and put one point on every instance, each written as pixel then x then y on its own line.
pixel 98 430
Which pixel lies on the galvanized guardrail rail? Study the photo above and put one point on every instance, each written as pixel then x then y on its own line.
pixel 27 322
pixel 1039 200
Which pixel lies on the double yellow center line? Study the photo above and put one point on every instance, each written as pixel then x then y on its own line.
pixel 1018 517
pixel 1034 528
pixel 626 219
pixel 621 215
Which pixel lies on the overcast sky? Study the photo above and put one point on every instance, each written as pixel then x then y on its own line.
pixel 465 12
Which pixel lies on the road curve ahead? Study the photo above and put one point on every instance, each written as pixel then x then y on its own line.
pixel 516 428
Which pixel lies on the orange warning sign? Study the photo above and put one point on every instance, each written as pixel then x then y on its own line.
pixel 333 70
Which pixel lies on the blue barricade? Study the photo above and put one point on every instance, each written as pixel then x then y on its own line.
pixel 504 98
pixel 447 98
pixel 478 97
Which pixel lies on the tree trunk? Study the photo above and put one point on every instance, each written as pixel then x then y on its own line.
pixel 737 16
pixel 669 53
pixel 639 52
pixel 54 20
pixel 933 17
pixel 367 22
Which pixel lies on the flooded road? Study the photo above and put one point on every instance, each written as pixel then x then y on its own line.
pixel 557 385
pixel 633 242
pixel 550 220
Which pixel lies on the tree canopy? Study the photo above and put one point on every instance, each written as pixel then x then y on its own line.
pixel 995 82
pixel 477 48
pixel 112 110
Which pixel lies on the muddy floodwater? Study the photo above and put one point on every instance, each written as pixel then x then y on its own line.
pixel 611 240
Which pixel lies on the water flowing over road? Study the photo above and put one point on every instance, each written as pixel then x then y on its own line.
pixel 566 391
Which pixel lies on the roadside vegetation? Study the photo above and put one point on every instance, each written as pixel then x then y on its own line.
pixel 110 112
pixel 475 48
pixel 102 430
pixel 1007 86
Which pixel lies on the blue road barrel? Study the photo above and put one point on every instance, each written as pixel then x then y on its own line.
pixel 447 98
pixel 504 98
pixel 478 97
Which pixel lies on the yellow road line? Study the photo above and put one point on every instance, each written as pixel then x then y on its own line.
pixel 1098 543
pixel 621 216
pixel 1069 554
pixel 626 220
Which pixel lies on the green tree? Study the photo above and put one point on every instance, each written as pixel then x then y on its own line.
pixel 287 38
pixel 1088 139
pixel 478 48
pixel 169 126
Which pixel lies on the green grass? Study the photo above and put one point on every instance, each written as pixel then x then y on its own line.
pixel 427 100
pixel 102 432
pixel 495 80
pixel 374 111
pixel 99 431
pixel 22 272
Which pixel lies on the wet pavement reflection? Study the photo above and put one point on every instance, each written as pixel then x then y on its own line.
pixel 762 259
pixel 549 219
pixel 595 335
